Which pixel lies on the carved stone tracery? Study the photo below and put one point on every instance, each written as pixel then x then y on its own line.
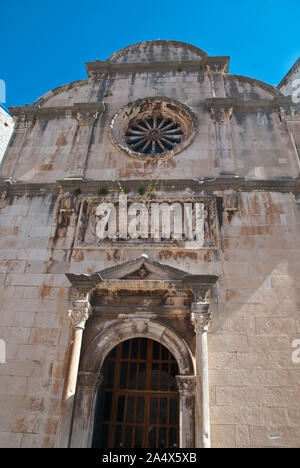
pixel 153 127
pixel 26 116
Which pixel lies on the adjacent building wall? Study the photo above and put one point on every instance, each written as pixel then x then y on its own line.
pixel 6 129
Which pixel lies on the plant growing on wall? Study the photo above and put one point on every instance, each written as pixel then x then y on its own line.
pixel 149 188
pixel 77 192
pixel 103 191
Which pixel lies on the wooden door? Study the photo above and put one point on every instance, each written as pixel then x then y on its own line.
pixel 138 405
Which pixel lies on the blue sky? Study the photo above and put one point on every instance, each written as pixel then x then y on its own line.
pixel 46 44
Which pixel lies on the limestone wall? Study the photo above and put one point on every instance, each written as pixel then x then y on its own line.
pixel 255 318
pixel 34 325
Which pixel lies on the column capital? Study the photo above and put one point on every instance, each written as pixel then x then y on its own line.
pixel 201 285
pixel 24 121
pixel 200 316
pixel 79 314
pixel 89 379
pixel 221 114
pixel 86 119
pixel 186 384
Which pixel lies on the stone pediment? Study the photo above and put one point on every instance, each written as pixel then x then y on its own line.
pixel 142 268
pixel 142 273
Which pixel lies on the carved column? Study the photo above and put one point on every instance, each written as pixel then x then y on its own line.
pixel 86 121
pixel 88 384
pixel 79 314
pixel 200 319
pixel 222 118
pixel 186 387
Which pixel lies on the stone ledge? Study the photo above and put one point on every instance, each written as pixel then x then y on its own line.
pixel 187 187
pixel 98 68
pixel 263 105
pixel 36 112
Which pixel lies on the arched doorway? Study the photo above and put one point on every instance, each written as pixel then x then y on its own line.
pixel 90 376
pixel 138 403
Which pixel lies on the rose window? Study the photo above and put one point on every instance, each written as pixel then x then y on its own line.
pixel 154 135
pixel 153 128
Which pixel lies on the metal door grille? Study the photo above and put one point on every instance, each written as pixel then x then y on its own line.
pixel 140 400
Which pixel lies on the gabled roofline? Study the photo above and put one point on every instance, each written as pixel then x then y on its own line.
pixel 119 53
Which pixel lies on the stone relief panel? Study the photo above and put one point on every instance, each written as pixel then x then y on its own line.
pixel 186 222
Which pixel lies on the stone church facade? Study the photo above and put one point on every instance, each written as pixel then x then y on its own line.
pixel 119 340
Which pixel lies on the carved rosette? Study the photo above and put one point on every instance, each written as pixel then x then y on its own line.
pixel 186 384
pixel 200 316
pixel 140 326
pixel 79 314
pixel 90 379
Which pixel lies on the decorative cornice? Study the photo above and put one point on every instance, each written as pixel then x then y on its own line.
pixel 182 187
pixel 219 107
pixel 80 111
pixel 99 69
pixel 200 284
pixel 84 283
